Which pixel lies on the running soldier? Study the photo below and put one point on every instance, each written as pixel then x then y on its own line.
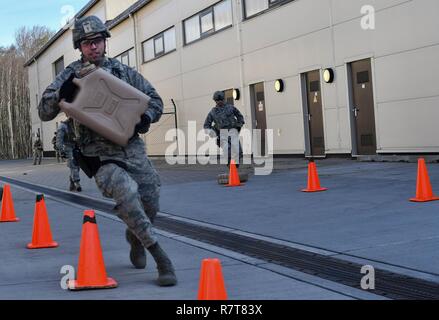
pixel 123 173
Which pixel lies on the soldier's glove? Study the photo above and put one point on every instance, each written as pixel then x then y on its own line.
pixel 68 90
pixel 63 154
pixel 211 133
pixel 143 125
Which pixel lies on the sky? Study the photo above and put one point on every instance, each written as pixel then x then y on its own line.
pixel 50 13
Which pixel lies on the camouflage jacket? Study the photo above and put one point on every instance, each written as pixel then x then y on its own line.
pixel 38 145
pixel 225 117
pixel 54 142
pixel 65 135
pixel 91 143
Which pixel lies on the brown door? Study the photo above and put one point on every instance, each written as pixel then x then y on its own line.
pixel 363 107
pixel 315 114
pixel 258 102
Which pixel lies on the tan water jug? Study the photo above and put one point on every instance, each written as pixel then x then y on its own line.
pixel 107 105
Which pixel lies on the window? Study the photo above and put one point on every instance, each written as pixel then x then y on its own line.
pixel 253 7
pixel 125 59
pixel 128 58
pixel 208 21
pixel 159 45
pixel 223 15
pixel 192 29
pixel 148 51
pixel 169 40
pixel 58 66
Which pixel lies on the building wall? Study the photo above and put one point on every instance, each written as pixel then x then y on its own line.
pixel 284 43
pixel 100 9
pixel 116 7
pixel 122 38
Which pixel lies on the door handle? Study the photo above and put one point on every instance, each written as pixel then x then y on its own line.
pixel 309 117
pixel 356 112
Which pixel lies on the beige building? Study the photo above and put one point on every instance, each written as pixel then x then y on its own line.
pixel 327 76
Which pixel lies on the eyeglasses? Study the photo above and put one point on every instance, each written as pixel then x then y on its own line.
pixel 89 43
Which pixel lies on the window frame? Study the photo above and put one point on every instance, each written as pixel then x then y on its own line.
pixel 271 6
pixel 160 37
pixel 201 14
pixel 154 38
pixel 55 74
pixel 127 53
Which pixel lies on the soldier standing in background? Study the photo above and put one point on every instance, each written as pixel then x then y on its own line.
pixel 55 147
pixel 225 116
pixel 38 150
pixel 66 142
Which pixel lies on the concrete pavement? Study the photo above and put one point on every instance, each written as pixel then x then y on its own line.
pixel 365 217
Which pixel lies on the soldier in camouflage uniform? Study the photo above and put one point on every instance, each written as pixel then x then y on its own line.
pixel 126 173
pixel 65 143
pixel 55 147
pixel 38 150
pixel 225 116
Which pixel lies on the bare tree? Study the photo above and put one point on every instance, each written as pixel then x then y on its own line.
pixel 15 120
pixel 30 40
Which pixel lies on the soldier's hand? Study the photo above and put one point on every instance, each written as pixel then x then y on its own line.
pixel 63 154
pixel 143 125
pixel 211 133
pixel 68 89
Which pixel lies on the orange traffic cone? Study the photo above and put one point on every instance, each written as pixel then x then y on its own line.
pixel 211 281
pixel 234 180
pixel 8 212
pixel 313 179
pixel 91 267
pixel 42 235
pixel 424 192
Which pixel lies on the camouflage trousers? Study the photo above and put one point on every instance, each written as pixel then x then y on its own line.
pixel 38 154
pixel 229 142
pixel 58 156
pixel 71 164
pixel 135 189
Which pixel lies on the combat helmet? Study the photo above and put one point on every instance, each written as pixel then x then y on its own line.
pixel 219 96
pixel 86 27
